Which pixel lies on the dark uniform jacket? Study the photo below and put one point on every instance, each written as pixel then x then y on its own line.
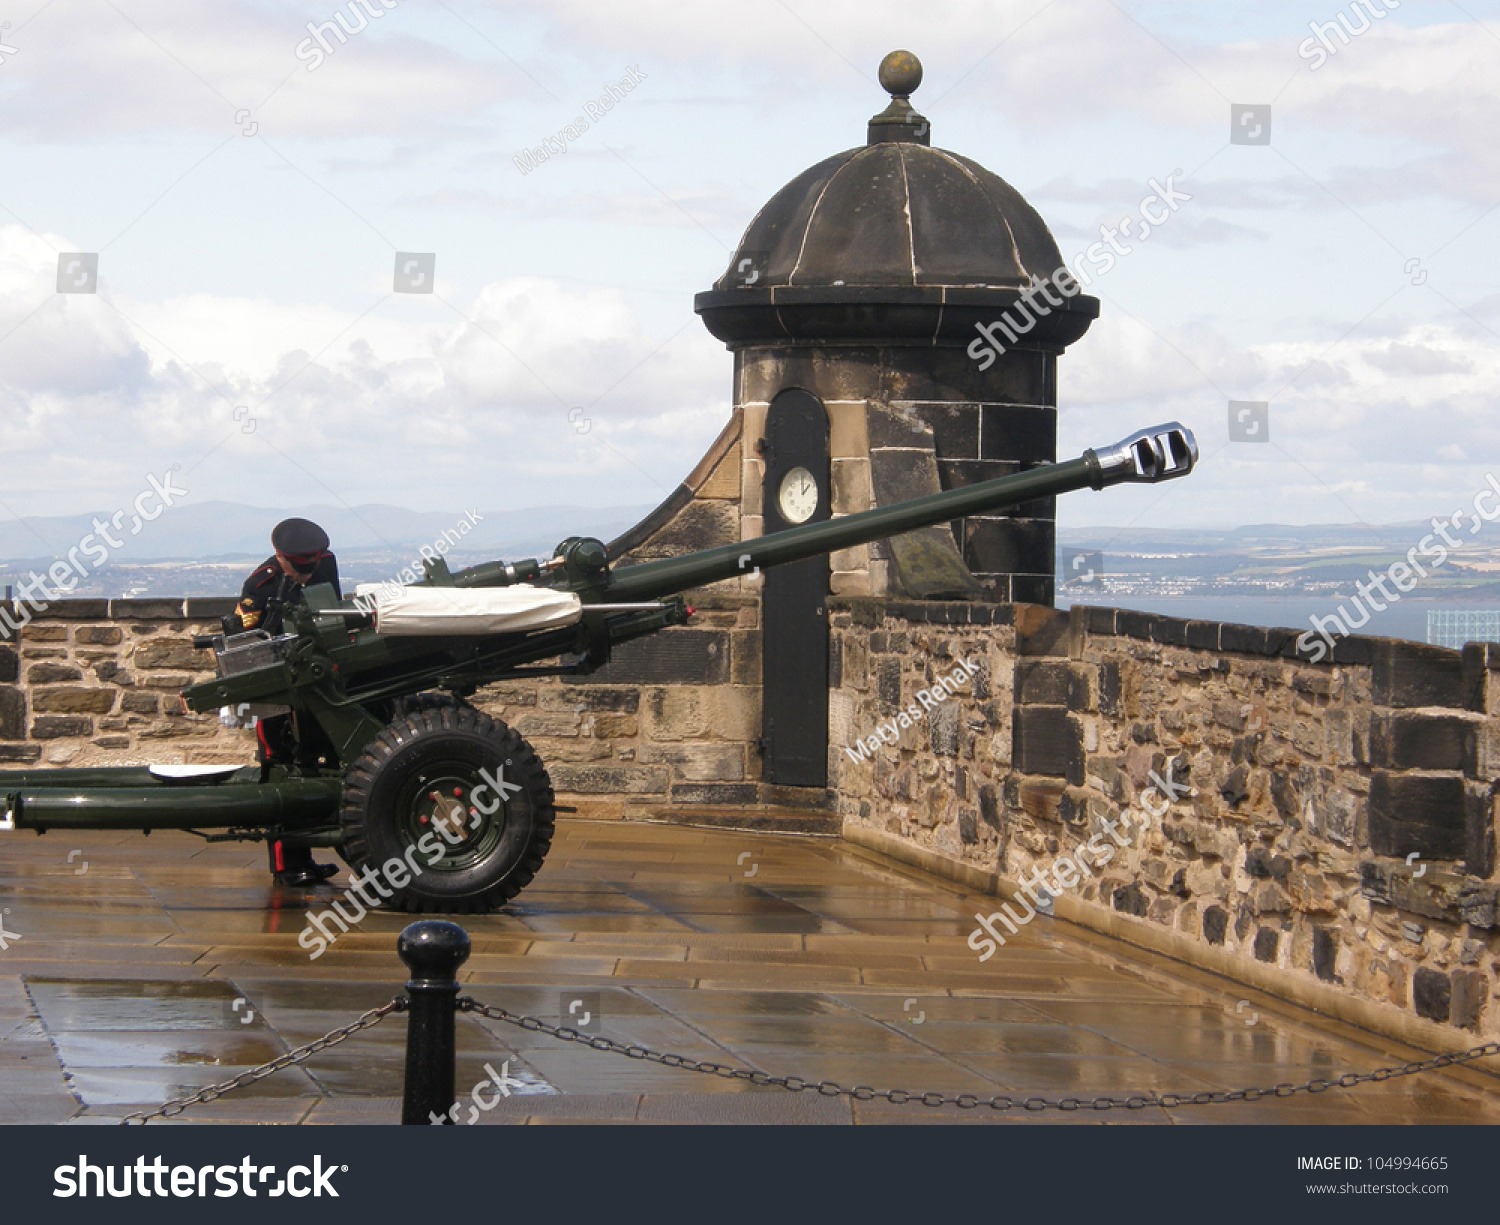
pixel 268 593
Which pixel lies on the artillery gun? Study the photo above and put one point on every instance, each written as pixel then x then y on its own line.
pixel 454 806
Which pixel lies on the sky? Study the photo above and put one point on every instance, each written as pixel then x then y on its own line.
pixel 247 207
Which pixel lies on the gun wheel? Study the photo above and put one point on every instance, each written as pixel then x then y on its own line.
pixel 416 703
pixel 450 809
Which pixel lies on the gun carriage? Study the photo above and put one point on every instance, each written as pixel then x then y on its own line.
pixel 412 772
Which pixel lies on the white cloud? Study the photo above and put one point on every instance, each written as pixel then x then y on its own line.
pixel 1399 358
pixel 1428 87
pixel 476 406
pixel 1378 427
pixel 86 71
pixel 240 285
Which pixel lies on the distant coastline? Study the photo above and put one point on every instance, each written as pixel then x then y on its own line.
pixel 1408 619
pixel 1269 574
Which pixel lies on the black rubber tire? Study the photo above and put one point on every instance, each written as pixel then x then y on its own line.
pixel 390 788
pixel 416 703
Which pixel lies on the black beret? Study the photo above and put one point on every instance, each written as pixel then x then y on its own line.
pixel 299 539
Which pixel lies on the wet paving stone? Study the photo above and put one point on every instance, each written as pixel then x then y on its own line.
pixel 171 966
pixel 68 1005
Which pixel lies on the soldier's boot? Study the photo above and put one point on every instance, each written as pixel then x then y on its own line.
pixel 294 866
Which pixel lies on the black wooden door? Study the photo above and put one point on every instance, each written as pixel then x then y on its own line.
pixel 794 604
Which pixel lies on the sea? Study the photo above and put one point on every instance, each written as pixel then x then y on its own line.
pixel 1404 619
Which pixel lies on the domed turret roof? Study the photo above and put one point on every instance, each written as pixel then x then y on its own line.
pixel 893 223
pixel 895 214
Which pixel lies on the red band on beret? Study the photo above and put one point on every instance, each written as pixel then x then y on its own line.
pixel 305 561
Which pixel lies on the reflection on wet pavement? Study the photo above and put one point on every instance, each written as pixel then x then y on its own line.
pixel 172 965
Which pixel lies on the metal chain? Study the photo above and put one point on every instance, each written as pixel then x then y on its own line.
pixel 332 1038
pixel 968 1101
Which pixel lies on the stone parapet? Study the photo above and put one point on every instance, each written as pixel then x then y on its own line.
pixel 1338 836
pixel 1340 823
pixel 666 730
pixel 96 682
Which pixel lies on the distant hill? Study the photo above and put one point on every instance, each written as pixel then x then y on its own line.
pixel 1280 559
pixel 206 548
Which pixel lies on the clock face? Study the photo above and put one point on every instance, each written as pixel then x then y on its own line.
pixel 798 498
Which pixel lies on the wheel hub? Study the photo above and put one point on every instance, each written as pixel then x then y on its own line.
pixel 450 818
pixel 442 802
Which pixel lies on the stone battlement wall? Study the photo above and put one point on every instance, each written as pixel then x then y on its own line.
pixel 1287 865
pixel 96 683
pixel 667 729
pixel 1286 868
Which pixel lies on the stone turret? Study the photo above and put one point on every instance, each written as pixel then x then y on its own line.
pixel 861 282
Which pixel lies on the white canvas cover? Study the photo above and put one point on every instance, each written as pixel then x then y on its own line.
pixel 470 610
pixel 168 770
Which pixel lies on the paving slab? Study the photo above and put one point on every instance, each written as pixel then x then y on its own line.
pixel 170 965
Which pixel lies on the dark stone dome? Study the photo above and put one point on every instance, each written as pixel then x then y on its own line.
pixel 892 242
pixel 896 213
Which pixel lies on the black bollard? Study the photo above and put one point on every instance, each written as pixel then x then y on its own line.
pixel 432 950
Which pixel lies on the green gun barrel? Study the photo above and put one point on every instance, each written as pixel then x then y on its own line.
pixel 1161 453
pixel 290 801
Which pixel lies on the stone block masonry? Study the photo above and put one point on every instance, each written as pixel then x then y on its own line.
pixel 1339 845
pixel 666 730
pixel 96 683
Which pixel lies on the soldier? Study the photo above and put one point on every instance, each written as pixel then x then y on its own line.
pixel 301 559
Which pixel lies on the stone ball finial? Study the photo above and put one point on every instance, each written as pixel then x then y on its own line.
pixel 900 74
